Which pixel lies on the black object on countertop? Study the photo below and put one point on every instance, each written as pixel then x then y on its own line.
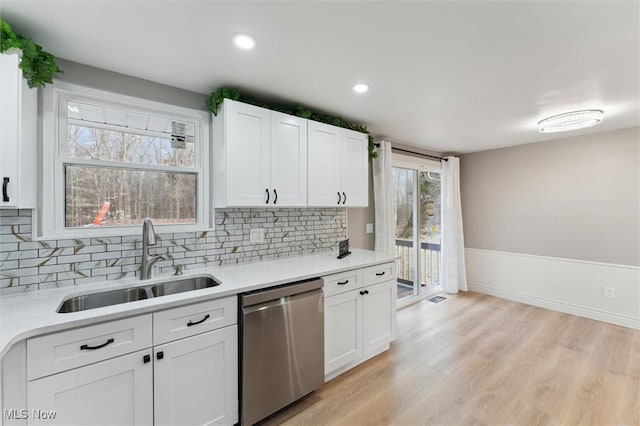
pixel 343 249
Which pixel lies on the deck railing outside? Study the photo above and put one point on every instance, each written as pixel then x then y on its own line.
pixel 429 263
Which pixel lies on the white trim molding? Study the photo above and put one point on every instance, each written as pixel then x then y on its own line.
pixel 565 285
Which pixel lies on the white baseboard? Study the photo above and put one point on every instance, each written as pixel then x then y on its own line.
pixel 566 285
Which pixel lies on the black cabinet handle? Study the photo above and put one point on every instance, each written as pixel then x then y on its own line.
pixel 339 198
pixel 380 273
pixel 362 293
pixel 5 183
pixel 267 191
pixel 160 355
pixel 343 282
pixel 146 358
pixel 275 200
pixel 345 198
pixel 91 348
pixel 366 292
pixel 190 323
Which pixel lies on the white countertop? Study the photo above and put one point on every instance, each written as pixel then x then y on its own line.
pixel 33 313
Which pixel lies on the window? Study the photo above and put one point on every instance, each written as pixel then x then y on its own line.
pixel 110 161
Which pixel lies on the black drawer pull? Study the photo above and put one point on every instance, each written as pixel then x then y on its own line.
pixel 380 273
pixel 366 292
pixel 91 348
pixel 343 282
pixel 361 293
pixel 5 195
pixel 190 323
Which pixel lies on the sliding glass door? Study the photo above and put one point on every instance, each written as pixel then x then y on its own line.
pixel 418 225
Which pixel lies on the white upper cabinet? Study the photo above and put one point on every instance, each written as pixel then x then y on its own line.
pixel 264 158
pixel 324 164
pixel 288 160
pixel 18 132
pixel 338 167
pixel 354 172
pixel 259 158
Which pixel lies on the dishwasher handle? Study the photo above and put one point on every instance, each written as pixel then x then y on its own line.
pixel 274 293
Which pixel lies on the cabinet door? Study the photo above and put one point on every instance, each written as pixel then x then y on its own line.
pixel 323 165
pixel 354 168
pixel 10 84
pixel 196 379
pixel 379 312
pixel 113 392
pixel 288 160
pixel 248 153
pixel 342 330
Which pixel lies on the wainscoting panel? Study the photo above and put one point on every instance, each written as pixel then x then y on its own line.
pixel 566 285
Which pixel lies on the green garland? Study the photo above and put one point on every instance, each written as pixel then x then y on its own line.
pixel 38 66
pixel 216 98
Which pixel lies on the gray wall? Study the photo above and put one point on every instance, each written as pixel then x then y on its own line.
pixel 98 78
pixel 357 219
pixel 576 198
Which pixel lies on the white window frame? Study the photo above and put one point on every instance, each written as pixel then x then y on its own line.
pixel 50 223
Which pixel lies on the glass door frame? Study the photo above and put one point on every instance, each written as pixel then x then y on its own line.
pixel 418 164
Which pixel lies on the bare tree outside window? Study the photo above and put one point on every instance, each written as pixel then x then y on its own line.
pixel 123 167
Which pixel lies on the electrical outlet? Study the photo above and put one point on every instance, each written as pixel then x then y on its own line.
pixel 256 236
pixel 369 228
pixel 610 292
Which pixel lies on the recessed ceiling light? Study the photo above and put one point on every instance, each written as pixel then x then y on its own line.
pixel 244 41
pixel 360 88
pixel 571 121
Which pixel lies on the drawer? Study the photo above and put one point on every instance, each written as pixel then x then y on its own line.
pixel 379 273
pixel 81 346
pixel 342 282
pixel 189 320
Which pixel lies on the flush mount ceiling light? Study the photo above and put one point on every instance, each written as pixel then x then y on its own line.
pixel 570 121
pixel 244 41
pixel 360 88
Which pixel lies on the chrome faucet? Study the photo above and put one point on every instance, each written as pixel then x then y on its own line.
pixel 149 238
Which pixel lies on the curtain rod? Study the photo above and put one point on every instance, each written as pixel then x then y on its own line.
pixel 416 153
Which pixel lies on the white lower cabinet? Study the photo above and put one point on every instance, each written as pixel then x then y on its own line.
pixel 196 380
pixel 378 316
pixel 118 391
pixel 342 330
pixel 191 380
pixel 359 322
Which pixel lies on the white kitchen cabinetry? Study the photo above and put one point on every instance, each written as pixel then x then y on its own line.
pixel 259 157
pixel 195 379
pixel 18 132
pixel 117 391
pixel 338 167
pixel 359 316
pixel 185 359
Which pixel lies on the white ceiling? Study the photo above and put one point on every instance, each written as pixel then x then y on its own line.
pixel 450 76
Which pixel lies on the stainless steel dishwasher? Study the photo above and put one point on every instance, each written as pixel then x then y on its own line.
pixel 282 352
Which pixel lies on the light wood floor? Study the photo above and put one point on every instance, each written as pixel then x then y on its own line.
pixel 475 359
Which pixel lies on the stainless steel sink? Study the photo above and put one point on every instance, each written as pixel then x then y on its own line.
pixel 180 286
pixel 115 297
pixel 105 298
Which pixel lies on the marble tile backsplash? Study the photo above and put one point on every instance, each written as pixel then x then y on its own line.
pixel 27 265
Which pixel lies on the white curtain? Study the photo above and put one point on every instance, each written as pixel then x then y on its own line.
pixel 453 276
pixel 383 198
